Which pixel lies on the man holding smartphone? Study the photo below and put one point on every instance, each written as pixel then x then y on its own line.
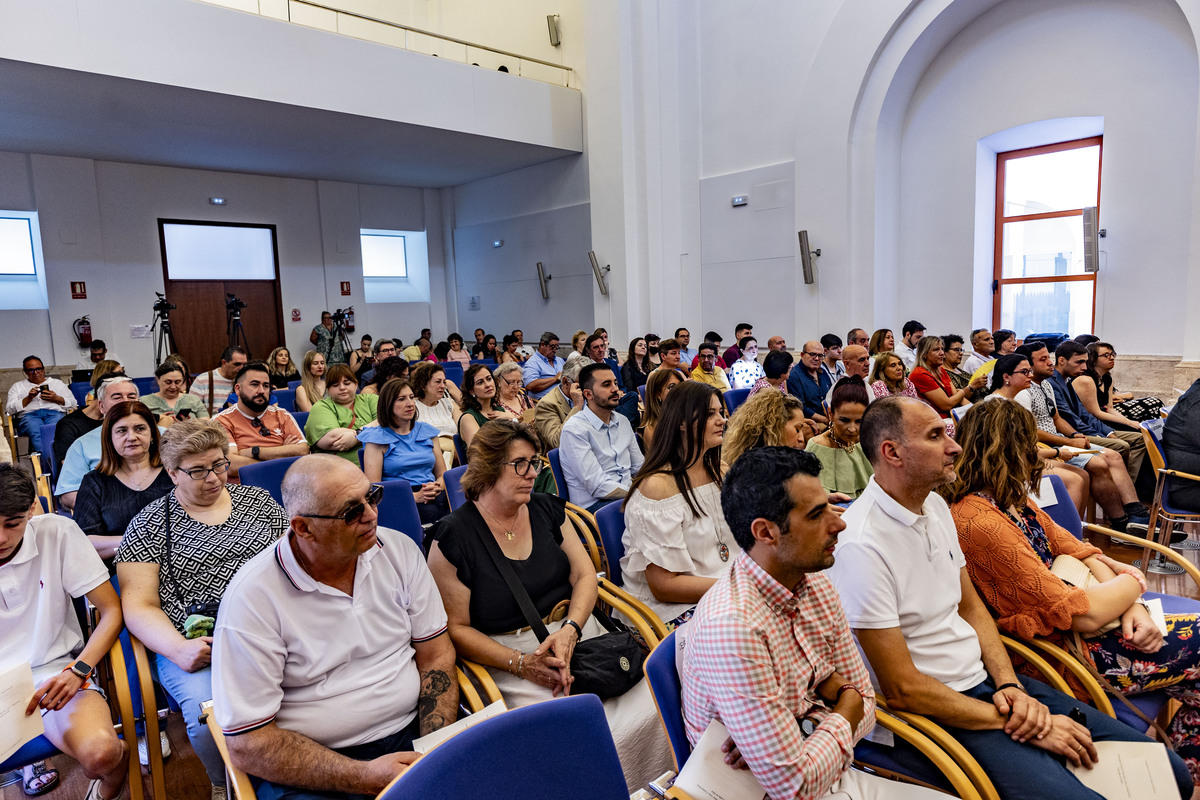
pixel 37 400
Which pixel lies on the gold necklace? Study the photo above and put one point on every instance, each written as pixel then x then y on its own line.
pixel 509 533
pixel 849 448
pixel 137 485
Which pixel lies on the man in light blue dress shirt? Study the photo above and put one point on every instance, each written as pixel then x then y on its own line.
pixel 597 450
pixel 686 353
pixel 543 370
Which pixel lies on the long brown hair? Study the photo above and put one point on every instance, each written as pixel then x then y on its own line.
pixel 680 439
pixel 999 454
pixel 110 459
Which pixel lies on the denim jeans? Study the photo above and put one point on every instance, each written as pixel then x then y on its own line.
pixel 190 689
pixel 29 423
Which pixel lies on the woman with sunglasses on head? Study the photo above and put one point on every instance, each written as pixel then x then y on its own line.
pixel 479 402
pixel 399 445
pixel 532 534
pixel 178 555
pixel 676 540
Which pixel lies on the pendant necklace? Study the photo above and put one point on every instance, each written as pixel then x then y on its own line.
pixel 722 548
pixel 509 533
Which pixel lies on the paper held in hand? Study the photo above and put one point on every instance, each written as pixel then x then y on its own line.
pixel 1130 771
pixel 16 689
pixel 706 776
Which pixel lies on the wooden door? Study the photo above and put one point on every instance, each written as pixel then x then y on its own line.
pixel 200 321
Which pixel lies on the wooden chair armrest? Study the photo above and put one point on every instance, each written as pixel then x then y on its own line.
pixel 124 701
pixel 1094 689
pixel 1048 674
pixel 965 760
pixel 589 539
pixel 1146 544
pixel 150 711
pixel 618 603
pixel 1174 473
pixel 480 677
pixel 468 697
pixel 941 760
pixel 647 613
pixel 238 780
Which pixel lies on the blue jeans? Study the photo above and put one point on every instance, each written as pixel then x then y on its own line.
pixel 1021 771
pixel 29 423
pixel 190 689
pixel 398 742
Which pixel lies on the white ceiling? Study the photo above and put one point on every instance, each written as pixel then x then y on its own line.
pixel 64 112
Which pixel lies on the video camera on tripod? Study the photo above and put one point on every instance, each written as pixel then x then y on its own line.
pixel 162 305
pixel 232 304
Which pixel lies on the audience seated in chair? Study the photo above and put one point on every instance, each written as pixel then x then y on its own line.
pixel 932 381
pixel 746 371
pixel 706 369
pixel 334 422
pixel 930 639
pixel 543 370
pixel 858 364
pixel 214 386
pixel 661 384
pixel 714 338
pixel 381 351
pixel 258 431
pixel 982 347
pixel 173 401
pixel 37 400
pixel 283 632
pixel 399 445
pixel 777 366
pixel 562 401
pixel 597 448
pixel 769 419
pixel 831 361
pixel 845 469
pixel 45 561
pixel 84 453
pixel 740 331
pixel 809 382
pixel 479 403
pixel 911 335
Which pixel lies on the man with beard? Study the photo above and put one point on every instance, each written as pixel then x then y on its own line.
pixel 259 431
pixel 597 449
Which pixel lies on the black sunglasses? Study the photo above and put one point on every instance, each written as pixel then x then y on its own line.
pixel 354 513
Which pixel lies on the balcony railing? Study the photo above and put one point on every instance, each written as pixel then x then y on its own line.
pixel 394 34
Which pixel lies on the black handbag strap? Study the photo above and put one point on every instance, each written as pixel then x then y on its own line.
pixel 514 585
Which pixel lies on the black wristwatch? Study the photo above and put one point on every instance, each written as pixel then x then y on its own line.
pixel 82 669
pixel 574 625
pixel 254 451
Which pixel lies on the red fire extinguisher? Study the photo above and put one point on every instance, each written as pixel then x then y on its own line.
pixel 350 319
pixel 83 331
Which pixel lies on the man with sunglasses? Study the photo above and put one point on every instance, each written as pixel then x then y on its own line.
pixel 331 652
pixel 258 431
pixel 36 400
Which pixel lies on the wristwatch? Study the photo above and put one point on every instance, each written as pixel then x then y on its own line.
pixel 254 451
pixel 82 669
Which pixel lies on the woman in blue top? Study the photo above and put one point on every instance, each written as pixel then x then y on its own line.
pixel 398 445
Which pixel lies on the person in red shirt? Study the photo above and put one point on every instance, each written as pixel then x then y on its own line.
pixel 933 381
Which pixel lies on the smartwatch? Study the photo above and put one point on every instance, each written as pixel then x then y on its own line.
pixel 254 451
pixel 82 669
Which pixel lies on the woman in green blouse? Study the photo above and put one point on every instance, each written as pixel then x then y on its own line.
pixel 334 422
pixel 845 469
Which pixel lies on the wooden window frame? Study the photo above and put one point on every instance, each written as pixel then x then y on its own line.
pixel 998 281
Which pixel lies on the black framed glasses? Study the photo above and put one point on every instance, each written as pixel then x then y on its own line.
pixel 522 466
pixel 354 512
pixel 31 370
pixel 1026 372
pixel 200 473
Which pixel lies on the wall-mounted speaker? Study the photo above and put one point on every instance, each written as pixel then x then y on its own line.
pixel 552 25
pixel 1091 240
pixel 543 281
pixel 603 284
pixel 807 254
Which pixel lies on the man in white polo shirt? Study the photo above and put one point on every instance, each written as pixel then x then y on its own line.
pixel 331 653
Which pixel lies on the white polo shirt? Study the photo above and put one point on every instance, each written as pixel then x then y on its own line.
pixel 56 562
pixel 337 669
pixel 897 569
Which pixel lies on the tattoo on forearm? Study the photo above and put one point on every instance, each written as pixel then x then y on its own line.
pixel 434 684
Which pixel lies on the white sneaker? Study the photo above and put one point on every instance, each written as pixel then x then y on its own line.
pixel 218 793
pixel 144 754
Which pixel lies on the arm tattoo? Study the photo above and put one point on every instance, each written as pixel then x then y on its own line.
pixel 434 684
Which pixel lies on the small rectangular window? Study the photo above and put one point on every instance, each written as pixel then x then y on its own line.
pixel 16 246
pixel 210 251
pixel 383 254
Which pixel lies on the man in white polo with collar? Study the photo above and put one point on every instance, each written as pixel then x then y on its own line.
pixel 597 449
pixel 331 652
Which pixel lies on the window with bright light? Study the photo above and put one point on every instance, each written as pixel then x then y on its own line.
pixel 16 245
pixel 1039 282
pixel 383 254
pixel 22 270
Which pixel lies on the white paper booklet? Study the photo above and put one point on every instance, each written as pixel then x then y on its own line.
pixel 16 690
pixel 1130 771
pixel 426 743
pixel 706 776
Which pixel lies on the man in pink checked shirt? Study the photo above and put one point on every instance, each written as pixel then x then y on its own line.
pixel 769 652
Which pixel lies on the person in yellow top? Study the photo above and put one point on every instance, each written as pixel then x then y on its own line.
pixel 706 369
pixel 419 350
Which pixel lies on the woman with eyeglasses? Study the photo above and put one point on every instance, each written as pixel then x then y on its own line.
pixel 479 402
pixel 676 540
pixel 172 400
pixel 334 423
pixel 531 533
pixel 178 555
pixel 399 445
pixel 510 390
pixel 1095 388
pixel 129 477
pixel 933 382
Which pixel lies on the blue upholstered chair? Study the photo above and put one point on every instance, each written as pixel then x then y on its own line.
pixel 267 475
pixel 734 398
pixel 559 480
pixel 610 520
pixel 286 399
pixel 398 510
pixel 454 491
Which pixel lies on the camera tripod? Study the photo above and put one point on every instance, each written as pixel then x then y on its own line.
pixel 160 329
pixel 237 333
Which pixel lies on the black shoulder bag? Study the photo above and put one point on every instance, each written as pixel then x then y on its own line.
pixel 607 665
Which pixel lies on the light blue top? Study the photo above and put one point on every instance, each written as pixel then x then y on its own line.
pixel 596 458
pixel 539 367
pixel 409 457
pixel 82 458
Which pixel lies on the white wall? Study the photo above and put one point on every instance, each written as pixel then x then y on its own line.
pixel 99 224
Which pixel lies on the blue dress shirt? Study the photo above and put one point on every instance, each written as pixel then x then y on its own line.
pixel 597 458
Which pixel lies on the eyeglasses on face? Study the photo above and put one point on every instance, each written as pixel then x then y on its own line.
pixel 354 513
pixel 1106 355
pixel 1026 372
pixel 522 466
pixel 200 473
pixel 31 370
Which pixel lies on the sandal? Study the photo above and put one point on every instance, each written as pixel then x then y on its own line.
pixel 37 779
pixel 93 791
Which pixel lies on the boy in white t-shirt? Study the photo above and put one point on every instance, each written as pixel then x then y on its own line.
pixel 46 561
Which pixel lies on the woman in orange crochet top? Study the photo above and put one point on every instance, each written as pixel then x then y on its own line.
pixel 1010 545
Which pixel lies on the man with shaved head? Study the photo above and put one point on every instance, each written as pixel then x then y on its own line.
pixel 858 365
pixel 331 652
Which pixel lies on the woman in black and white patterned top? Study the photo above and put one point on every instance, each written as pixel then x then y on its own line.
pixel 182 550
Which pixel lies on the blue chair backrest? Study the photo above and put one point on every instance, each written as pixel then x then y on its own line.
pixel 556 468
pixel 286 399
pixel 1064 512
pixel 45 446
pixel 398 510
pixel 293 384
pixel 80 389
pixel 642 392
pixel 454 372
pixel 301 418
pixel 460 447
pixel 267 475
pixel 667 692
pixel 569 730
pixel 1154 428
pixel 611 521
pixel 491 362
pixel 146 386
pixel 734 398
pixel 454 490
